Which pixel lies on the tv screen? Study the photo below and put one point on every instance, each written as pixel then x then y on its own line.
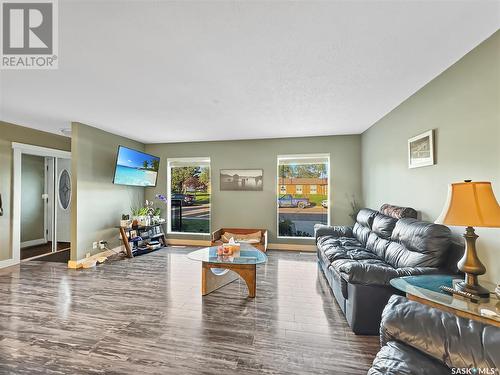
pixel 135 168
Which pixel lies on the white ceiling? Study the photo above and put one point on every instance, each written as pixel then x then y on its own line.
pixel 162 71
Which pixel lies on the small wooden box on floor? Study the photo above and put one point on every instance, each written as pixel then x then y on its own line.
pixel 262 245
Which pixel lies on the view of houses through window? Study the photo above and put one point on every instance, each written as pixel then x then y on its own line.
pixel 189 195
pixel 302 194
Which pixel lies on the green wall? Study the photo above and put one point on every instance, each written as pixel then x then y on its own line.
pixel 32 205
pixel 463 106
pixel 258 209
pixel 13 133
pixel 99 203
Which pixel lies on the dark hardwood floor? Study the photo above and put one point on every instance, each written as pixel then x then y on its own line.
pixel 33 251
pixel 146 316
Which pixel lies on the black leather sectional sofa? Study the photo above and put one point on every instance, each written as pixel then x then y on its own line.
pixel 420 340
pixel 359 261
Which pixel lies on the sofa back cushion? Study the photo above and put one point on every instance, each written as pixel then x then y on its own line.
pixel 377 245
pixel 418 244
pixel 363 225
pixel 383 225
pixel 365 217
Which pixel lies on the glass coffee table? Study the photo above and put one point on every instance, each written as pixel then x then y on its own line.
pixel 217 271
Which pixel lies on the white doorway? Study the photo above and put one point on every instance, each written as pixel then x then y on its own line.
pixel 50 193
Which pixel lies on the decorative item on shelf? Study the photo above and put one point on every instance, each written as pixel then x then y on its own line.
pixel 125 221
pixel 471 204
pixel 135 223
pixel 147 215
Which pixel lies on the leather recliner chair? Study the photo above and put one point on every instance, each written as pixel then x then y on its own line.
pixel 420 340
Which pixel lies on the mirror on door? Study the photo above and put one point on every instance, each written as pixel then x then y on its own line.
pixel 45 205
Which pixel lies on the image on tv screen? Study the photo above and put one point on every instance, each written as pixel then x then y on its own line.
pixel 135 168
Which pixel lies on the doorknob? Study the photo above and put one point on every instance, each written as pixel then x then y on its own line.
pixel 1 207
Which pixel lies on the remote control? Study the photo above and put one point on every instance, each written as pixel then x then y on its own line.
pixel 468 295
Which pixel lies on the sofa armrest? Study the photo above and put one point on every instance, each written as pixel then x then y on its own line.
pixel 455 342
pixel 321 230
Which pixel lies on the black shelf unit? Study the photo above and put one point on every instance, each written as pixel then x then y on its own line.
pixel 135 239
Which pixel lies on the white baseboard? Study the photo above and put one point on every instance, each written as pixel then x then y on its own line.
pixel 291 247
pixel 186 242
pixel 39 241
pixel 8 263
pixel 271 246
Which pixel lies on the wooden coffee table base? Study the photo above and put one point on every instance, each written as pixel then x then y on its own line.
pixel 211 281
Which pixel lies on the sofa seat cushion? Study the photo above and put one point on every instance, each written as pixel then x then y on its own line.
pixel 328 243
pixel 375 271
pixel 398 359
pixel 332 249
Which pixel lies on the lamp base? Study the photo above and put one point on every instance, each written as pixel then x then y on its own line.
pixel 476 290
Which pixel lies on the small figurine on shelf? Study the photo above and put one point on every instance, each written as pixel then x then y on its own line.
pixel 125 221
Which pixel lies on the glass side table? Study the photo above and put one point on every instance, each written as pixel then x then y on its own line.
pixel 425 289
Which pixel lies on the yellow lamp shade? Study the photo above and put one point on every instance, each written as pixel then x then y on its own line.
pixel 470 204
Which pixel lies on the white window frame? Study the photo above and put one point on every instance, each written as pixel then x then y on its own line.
pixel 282 189
pixel 315 189
pixel 193 161
pixel 301 189
pixel 302 156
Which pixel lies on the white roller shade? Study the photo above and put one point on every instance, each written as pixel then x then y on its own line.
pixel 189 162
pixel 303 159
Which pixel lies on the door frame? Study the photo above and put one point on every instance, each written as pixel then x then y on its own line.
pixel 18 150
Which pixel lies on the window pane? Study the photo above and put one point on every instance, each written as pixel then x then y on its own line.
pixel 190 198
pixel 302 195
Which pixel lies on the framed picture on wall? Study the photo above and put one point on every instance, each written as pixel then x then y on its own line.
pixel 421 150
pixel 241 179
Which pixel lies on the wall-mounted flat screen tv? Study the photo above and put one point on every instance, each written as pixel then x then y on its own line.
pixel 135 168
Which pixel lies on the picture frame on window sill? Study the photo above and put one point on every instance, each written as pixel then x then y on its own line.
pixel 421 150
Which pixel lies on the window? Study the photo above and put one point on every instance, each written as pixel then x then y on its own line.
pixel 188 181
pixel 307 204
pixel 283 189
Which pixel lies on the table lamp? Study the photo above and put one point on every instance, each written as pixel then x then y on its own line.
pixel 471 204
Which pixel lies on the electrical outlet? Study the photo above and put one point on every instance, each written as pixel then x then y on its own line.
pixel 102 244
pixel 94 245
